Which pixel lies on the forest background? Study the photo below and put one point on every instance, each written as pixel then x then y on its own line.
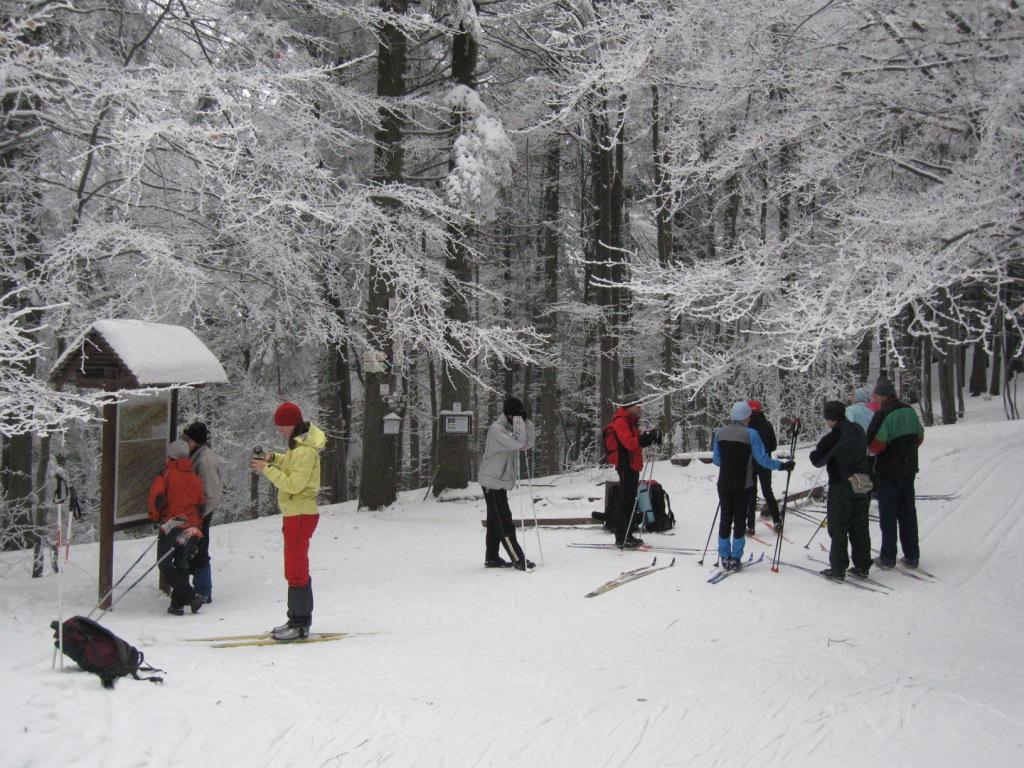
pixel 564 201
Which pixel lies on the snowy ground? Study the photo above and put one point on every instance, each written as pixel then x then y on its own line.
pixel 461 666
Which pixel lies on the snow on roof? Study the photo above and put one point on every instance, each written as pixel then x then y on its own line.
pixel 157 354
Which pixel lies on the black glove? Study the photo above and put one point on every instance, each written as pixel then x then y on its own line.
pixel 649 436
pixel 787 466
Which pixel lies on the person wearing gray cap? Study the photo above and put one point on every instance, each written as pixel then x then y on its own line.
pixel 734 448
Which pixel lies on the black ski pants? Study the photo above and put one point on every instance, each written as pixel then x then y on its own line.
pixel 733 512
pixel 897 513
pixel 847 515
pixel 500 527
pixel 764 476
pixel 629 483
pixel 176 567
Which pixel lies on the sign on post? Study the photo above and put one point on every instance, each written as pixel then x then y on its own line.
pixel 143 429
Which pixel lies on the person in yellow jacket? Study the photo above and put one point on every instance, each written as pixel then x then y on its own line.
pixel 296 475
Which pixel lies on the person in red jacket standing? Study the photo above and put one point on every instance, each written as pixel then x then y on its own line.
pixel 624 445
pixel 176 504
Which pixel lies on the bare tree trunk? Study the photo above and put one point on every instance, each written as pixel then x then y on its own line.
pixel 947 384
pixel 862 363
pixel 336 401
pixel 453 463
pixel 663 224
pixel 995 384
pixel 927 409
pixel 551 242
pixel 606 204
pixel 979 370
pixel 377 485
pixel 961 374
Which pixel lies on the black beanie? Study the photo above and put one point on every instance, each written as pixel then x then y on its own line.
pixel 513 407
pixel 834 411
pixel 197 432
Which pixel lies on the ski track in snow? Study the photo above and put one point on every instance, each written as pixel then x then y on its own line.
pixel 463 666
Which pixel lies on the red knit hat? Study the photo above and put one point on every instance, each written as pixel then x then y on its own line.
pixel 755 405
pixel 288 415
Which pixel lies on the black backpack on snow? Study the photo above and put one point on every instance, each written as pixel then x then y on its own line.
pixel 657 516
pixel 96 649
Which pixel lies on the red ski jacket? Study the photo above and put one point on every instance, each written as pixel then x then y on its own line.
pixel 625 435
pixel 182 491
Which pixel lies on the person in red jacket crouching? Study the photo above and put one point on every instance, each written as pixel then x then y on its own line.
pixel 176 505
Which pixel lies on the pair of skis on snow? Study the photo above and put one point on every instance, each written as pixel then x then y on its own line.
pixel 266 638
pixel 627 576
pixel 721 574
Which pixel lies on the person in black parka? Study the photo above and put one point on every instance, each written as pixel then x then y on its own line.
pixel 760 424
pixel 844 452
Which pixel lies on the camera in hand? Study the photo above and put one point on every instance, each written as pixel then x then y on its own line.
pixel 257 452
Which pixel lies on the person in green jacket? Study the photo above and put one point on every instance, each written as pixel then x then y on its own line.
pixel 296 475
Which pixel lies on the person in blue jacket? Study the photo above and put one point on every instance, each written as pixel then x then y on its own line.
pixel 735 447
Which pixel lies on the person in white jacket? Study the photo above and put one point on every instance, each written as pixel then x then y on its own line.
pixel 511 433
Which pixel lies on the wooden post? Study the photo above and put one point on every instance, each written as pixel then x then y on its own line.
pixel 107 477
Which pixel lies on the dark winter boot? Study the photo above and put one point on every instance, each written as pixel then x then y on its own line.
pixel 288 634
pixel 834 574
pixel 524 565
pixel 498 563
pixel 631 542
pixel 861 573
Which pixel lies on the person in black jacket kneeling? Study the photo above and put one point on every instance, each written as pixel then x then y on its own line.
pixel 844 454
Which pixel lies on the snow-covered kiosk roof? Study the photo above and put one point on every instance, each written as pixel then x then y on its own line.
pixel 131 354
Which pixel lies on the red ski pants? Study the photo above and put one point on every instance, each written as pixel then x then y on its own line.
pixel 297 530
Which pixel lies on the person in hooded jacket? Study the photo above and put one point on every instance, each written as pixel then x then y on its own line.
pixel 206 464
pixel 734 449
pixel 296 475
pixel 624 447
pixel 510 433
pixel 760 424
pixel 844 453
pixel 860 411
pixel 175 504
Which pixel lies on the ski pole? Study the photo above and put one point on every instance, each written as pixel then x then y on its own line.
pixel 817 530
pixel 708 542
pixel 776 557
pixel 533 506
pixel 130 588
pixel 522 514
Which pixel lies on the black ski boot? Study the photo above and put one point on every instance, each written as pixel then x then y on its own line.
pixel 498 563
pixel 631 542
pixel 834 574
